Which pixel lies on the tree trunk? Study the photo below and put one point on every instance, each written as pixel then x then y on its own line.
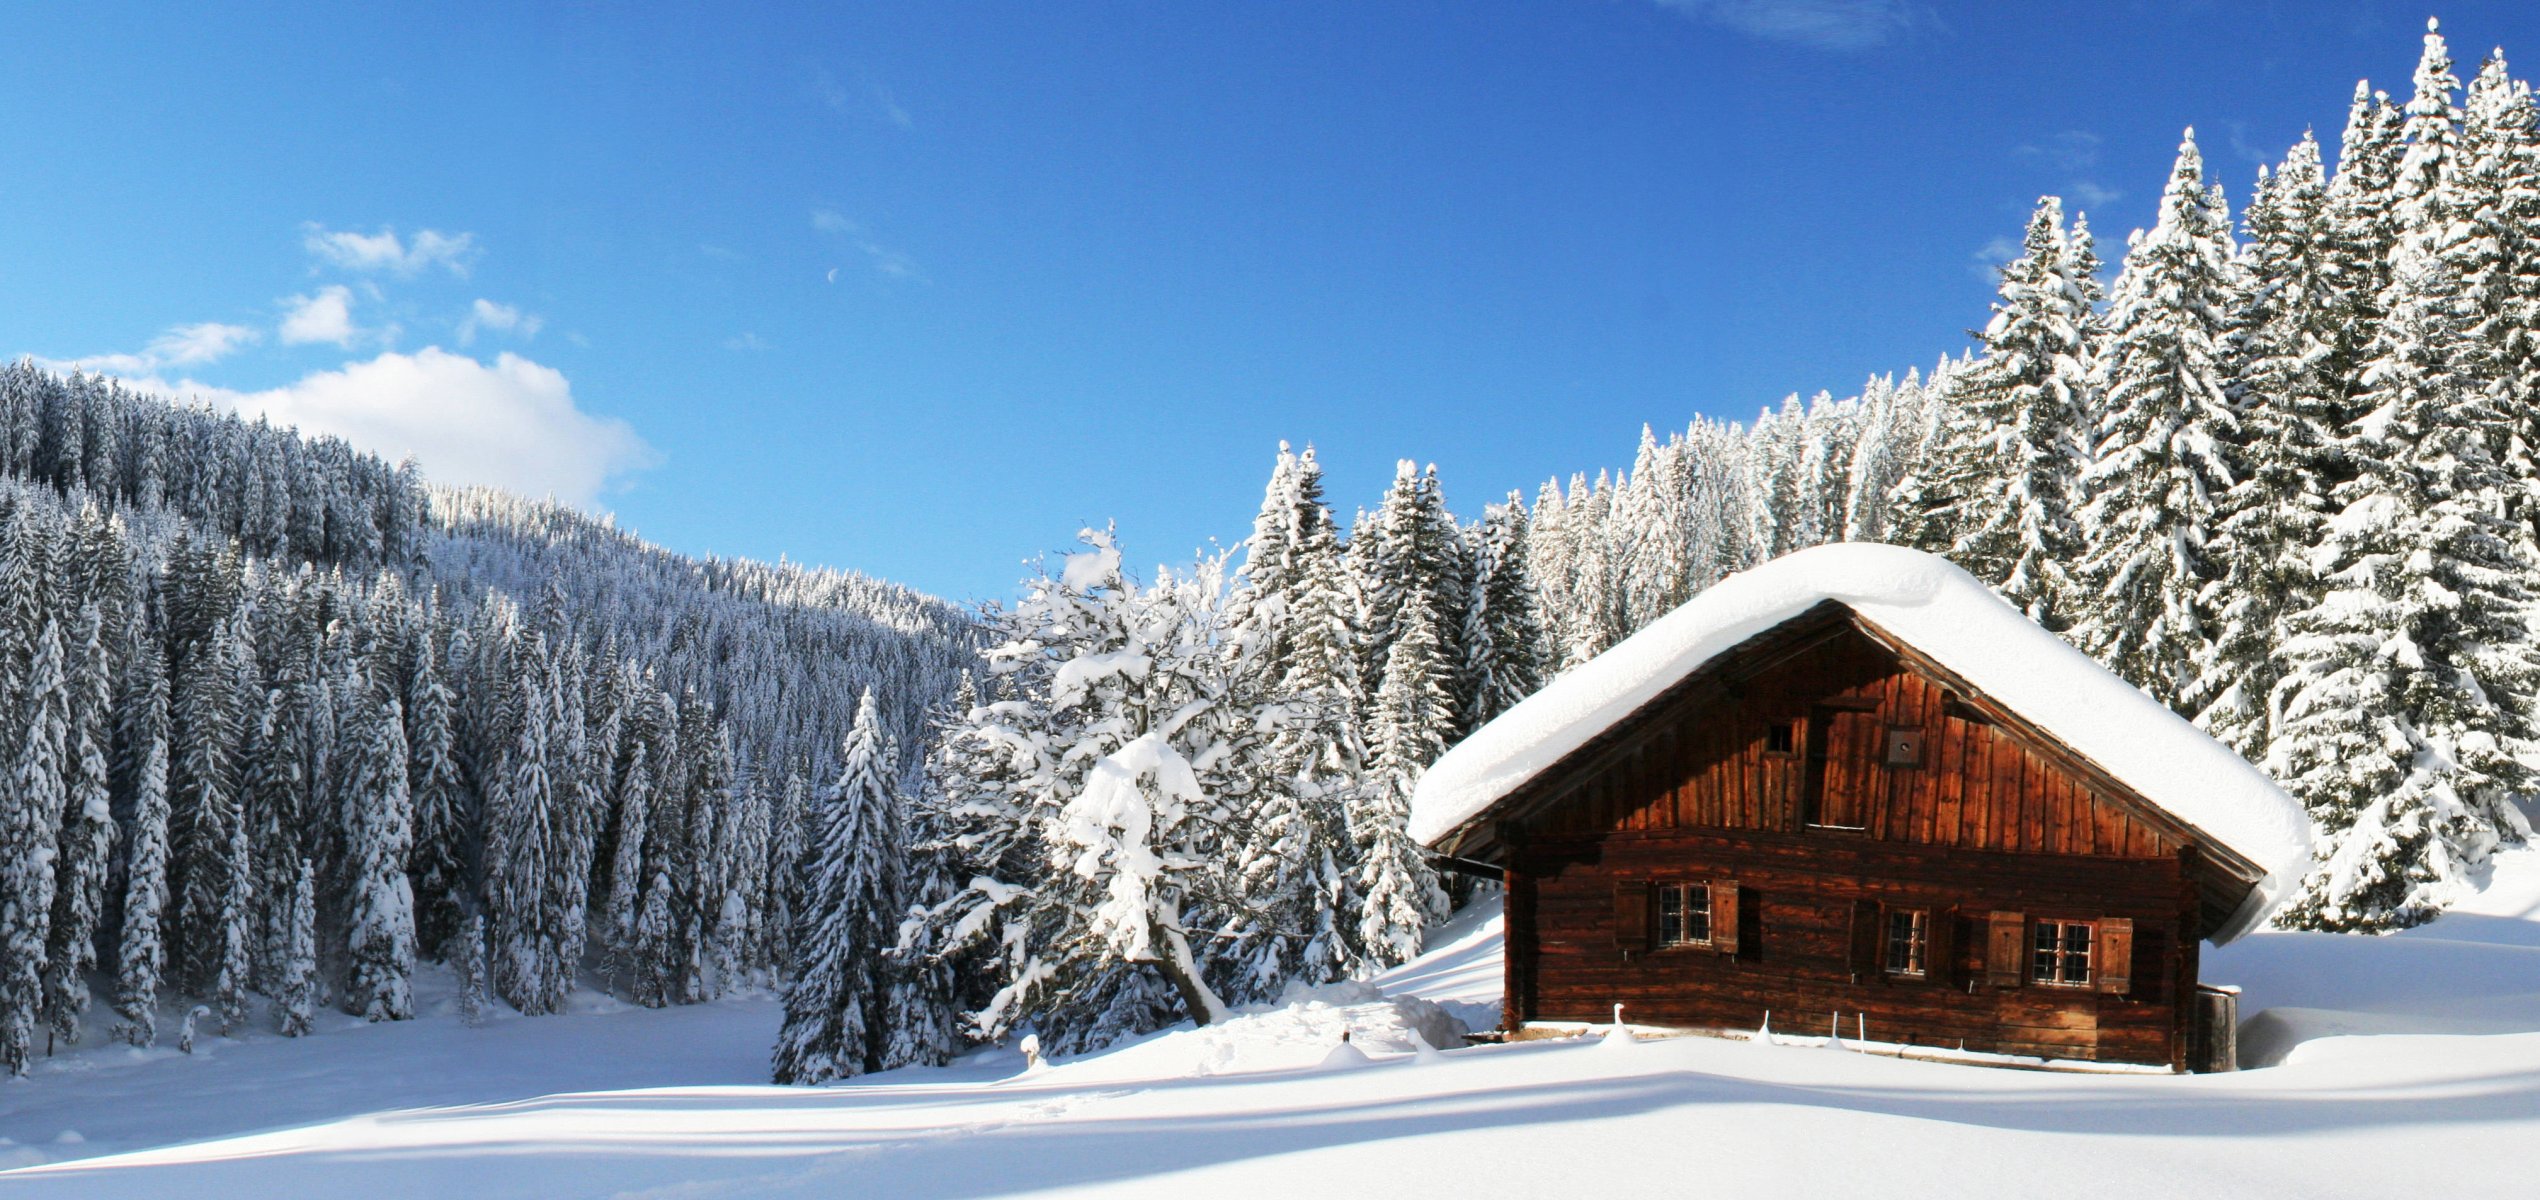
pixel 1202 1004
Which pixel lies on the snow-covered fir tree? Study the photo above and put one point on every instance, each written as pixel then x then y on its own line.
pixel 837 1005
pixel 2159 468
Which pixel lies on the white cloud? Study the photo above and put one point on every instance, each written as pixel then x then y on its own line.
pixel 885 260
pixel 1989 258
pixel 2087 194
pixel 326 316
pixel 511 423
pixel 498 318
pixel 747 343
pixel 1825 24
pixel 385 251
pixel 183 346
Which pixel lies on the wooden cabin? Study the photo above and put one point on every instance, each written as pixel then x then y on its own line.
pixel 1853 786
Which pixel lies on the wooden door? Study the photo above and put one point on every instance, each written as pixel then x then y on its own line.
pixel 1843 768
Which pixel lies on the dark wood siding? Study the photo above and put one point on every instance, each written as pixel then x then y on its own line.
pixel 1982 826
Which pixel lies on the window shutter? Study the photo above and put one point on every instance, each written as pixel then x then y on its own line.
pixel 1631 915
pixel 2115 955
pixel 1940 956
pixel 1724 916
pixel 2005 949
pixel 1866 939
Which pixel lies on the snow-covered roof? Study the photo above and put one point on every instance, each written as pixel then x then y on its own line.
pixel 1948 616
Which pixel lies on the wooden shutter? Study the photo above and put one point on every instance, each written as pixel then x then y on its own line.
pixel 2005 949
pixel 1866 939
pixel 2113 956
pixel 1631 915
pixel 1724 916
pixel 1940 954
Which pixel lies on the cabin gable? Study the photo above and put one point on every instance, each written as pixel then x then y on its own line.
pixel 1822 729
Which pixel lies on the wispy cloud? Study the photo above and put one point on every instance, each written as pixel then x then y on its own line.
pixel 884 259
pixel 748 343
pixel 867 100
pixel 1988 259
pixel 183 346
pixel 1846 25
pixel 488 316
pixel 2073 153
pixel 386 251
pixel 2070 150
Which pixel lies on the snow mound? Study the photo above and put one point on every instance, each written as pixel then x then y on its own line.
pixel 1944 613
pixel 1300 1034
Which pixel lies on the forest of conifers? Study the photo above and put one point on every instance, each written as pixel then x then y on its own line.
pixel 279 721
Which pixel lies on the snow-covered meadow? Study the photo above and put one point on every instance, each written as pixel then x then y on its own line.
pixel 2386 1062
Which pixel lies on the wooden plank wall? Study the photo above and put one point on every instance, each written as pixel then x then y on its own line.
pixel 1795 957
pixel 1977 788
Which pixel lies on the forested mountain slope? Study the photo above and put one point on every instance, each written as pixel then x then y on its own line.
pixel 266 737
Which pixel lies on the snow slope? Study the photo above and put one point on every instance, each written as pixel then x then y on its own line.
pixel 1943 612
pixel 2401 1060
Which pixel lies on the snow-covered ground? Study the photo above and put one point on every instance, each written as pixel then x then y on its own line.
pixel 2401 1064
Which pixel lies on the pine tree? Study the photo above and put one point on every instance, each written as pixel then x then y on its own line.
pixel 443 822
pixel 141 948
pixel 836 1019
pixel 295 1001
pixel 2029 399
pixel 1399 893
pixel 2284 460
pixel 31 806
pixel 2159 468
pixel 87 834
pixel 1512 625
pixel 380 932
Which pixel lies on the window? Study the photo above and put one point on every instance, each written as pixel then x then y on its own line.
pixel 2059 953
pixel 1908 941
pixel 1781 737
pixel 1684 914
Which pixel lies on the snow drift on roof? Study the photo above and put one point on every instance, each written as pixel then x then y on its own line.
pixel 1944 613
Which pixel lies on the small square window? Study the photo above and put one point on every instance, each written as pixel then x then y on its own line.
pixel 1781 738
pixel 1684 914
pixel 1908 941
pixel 2060 953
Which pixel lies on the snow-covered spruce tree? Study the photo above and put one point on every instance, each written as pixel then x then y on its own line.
pixel 379 929
pixel 1413 549
pixel 1653 532
pixel 31 805
pixel 2404 728
pixel 528 888
pixel 836 1006
pixel 2028 402
pixel 2284 460
pixel 1513 647
pixel 926 1003
pixel 87 833
pixel 1291 658
pixel 2159 467
pixel 443 824
pixel 2361 230
pixel 1397 891
pixel 2497 190
pixel 207 827
pixel 295 999
pixel 141 949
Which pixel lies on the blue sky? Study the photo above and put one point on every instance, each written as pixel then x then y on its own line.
pixel 920 289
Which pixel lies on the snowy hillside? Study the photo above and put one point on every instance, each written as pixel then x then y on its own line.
pixel 2395 1055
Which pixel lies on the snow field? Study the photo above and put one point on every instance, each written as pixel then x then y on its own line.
pixel 2395 1057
